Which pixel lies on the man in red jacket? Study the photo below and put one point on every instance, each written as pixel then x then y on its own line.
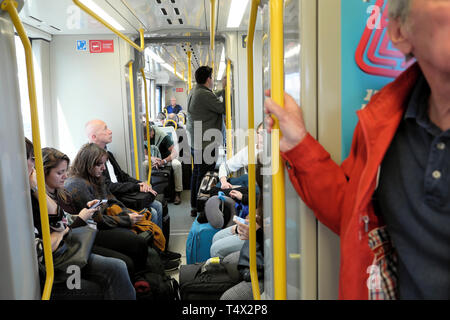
pixel 390 199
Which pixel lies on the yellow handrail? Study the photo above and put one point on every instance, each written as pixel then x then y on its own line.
pixel 147 120
pixel 212 31
pixel 110 27
pixel 171 121
pixel 228 112
pixel 189 54
pixel 133 118
pixel 251 151
pixel 278 198
pixel 11 7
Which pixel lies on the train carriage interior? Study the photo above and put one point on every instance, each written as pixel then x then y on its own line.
pixel 130 64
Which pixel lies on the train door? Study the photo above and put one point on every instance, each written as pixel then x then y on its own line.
pixel 311 78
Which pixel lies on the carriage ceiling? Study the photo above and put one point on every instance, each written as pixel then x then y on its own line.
pixel 172 27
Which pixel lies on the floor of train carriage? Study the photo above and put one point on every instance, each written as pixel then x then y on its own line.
pixel 180 224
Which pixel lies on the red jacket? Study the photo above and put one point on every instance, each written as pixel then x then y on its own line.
pixel 340 196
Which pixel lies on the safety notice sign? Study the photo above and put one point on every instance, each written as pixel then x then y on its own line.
pixel 101 46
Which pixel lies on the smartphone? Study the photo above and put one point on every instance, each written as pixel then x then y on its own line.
pixel 98 204
pixel 241 220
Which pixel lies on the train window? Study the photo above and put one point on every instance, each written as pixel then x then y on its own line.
pixel 158 98
pixel 23 88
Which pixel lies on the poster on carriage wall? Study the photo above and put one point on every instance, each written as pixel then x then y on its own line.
pixel 369 60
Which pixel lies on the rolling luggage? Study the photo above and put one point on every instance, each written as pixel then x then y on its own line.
pixel 162 181
pixel 207 281
pixel 198 243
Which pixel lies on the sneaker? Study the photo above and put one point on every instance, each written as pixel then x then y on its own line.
pixel 170 256
pixel 171 265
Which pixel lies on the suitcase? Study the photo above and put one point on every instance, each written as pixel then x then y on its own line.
pixel 162 181
pixel 209 283
pixel 198 243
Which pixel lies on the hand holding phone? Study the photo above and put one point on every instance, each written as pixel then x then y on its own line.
pixel 98 204
pixel 240 220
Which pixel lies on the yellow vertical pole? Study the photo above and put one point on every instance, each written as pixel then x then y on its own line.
pixel 133 118
pixel 278 198
pixel 189 54
pixel 228 111
pixel 11 7
pixel 147 120
pixel 251 151
pixel 213 32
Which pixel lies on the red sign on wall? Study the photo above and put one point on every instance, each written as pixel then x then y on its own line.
pixel 179 90
pixel 101 46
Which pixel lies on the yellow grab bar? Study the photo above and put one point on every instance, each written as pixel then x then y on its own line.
pixel 110 27
pixel 251 151
pixel 213 30
pixel 147 120
pixel 276 8
pixel 228 112
pixel 133 118
pixel 11 7
pixel 189 54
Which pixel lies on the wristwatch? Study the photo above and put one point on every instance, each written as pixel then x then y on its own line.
pixel 165 161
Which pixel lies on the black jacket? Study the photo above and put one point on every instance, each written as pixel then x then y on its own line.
pixel 125 183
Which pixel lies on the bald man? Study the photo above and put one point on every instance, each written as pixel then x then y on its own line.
pixel 118 181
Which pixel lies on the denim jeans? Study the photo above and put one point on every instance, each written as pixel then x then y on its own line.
pixel 112 275
pixel 224 243
pixel 157 213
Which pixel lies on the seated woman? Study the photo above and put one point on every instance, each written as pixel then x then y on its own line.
pixel 86 182
pixel 109 274
pixel 117 243
pixel 243 290
pixel 227 241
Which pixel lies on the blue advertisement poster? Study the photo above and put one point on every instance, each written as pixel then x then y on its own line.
pixel 369 61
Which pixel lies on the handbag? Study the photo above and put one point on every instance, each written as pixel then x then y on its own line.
pixel 137 200
pixel 74 249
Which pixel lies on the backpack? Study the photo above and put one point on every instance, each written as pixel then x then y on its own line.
pixel 155 286
pixel 210 179
pixel 203 281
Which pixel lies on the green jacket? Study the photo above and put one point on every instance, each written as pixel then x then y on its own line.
pixel 204 106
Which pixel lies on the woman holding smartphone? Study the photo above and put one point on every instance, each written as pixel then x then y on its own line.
pixel 117 243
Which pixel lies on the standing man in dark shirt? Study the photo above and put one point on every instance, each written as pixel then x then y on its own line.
pixel 204 112
pixel 390 199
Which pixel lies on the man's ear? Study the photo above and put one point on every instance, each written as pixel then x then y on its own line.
pixel 399 36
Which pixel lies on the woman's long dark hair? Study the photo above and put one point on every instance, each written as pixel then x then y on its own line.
pixel 83 165
pixel 51 158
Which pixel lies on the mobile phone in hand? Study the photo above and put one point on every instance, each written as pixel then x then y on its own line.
pixel 98 204
pixel 241 220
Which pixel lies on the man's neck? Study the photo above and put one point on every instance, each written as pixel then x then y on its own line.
pixel 439 102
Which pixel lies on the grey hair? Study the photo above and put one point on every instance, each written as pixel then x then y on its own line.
pixel 399 9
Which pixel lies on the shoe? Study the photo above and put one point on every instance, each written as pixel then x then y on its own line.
pixel 170 256
pixel 171 265
pixel 194 213
pixel 177 200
